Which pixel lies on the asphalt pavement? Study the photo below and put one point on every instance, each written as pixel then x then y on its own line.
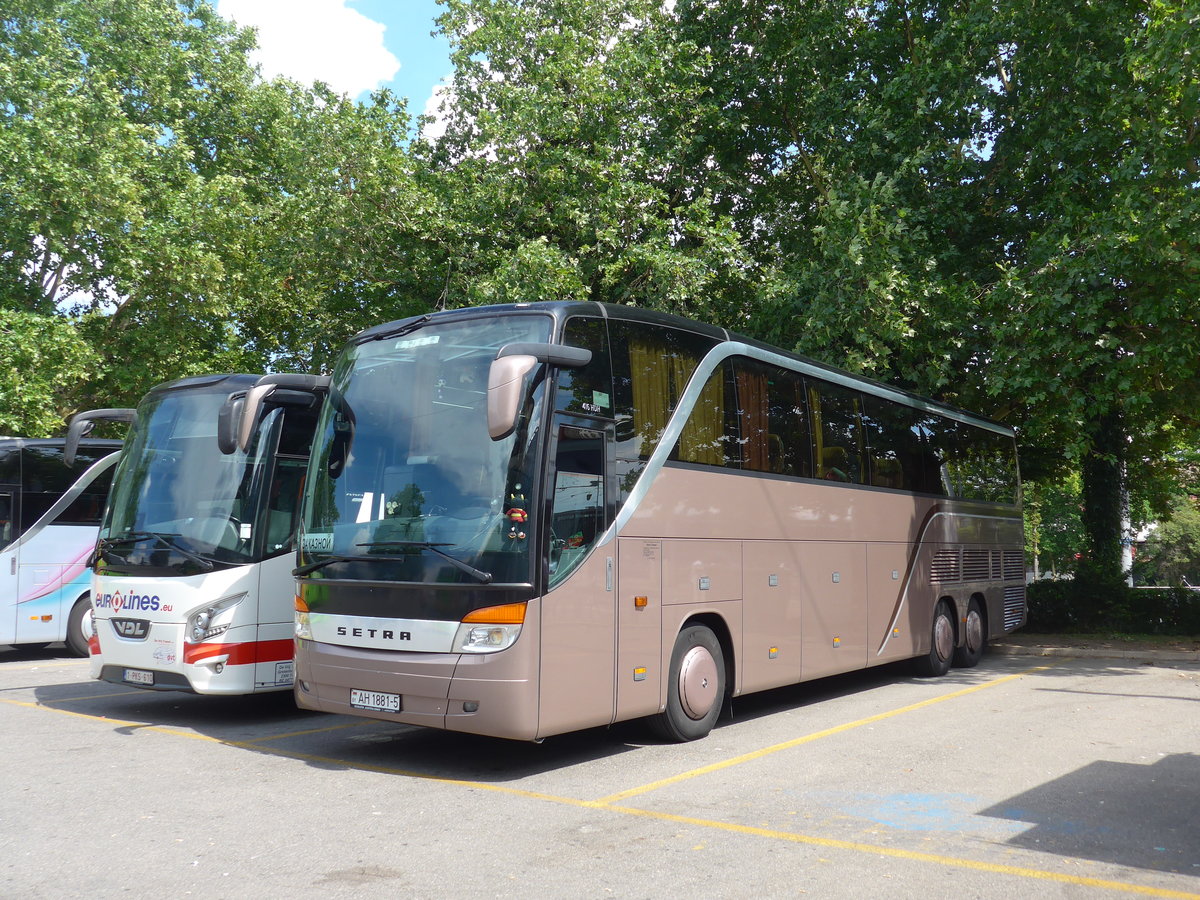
pixel 1060 777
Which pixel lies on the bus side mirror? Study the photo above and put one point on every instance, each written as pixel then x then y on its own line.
pixel 506 382
pixel 83 423
pixel 229 418
pixel 506 379
pixel 244 423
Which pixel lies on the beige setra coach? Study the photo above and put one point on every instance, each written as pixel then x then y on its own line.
pixel 530 519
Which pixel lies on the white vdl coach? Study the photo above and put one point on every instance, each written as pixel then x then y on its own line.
pixel 193 588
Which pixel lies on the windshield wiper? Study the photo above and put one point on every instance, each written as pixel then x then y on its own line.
pixel 482 576
pixel 402 329
pixel 104 544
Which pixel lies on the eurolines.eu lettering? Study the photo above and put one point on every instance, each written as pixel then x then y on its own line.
pixel 130 602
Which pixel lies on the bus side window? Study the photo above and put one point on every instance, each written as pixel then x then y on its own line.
pixel 577 514
pixel 774 420
pixel 894 445
pixel 588 390
pixel 6 523
pixel 837 433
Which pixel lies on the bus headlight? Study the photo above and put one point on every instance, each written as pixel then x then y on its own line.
pixel 490 629
pixel 212 621
pixel 303 625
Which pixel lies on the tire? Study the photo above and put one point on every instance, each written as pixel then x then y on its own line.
pixel 941 644
pixel 696 689
pixel 974 638
pixel 79 626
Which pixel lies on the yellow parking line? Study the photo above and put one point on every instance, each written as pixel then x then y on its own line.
pixel 916 856
pixel 257 742
pixel 808 738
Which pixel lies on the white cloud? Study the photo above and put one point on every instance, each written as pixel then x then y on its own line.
pixel 316 40
pixel 443 93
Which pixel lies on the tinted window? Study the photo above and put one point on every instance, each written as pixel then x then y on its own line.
pixel 88 507
pixel 895 451
pixel 710 435
pixel 651 369
pixel 588 390
pixel 773 421
pixel 983 466
pixel 46 478
pixel 7 531
pixel 837 433
pixel 10 466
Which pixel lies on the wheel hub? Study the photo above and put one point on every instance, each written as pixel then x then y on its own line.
pixel 697 682
pixel 943 637
pixel 974 630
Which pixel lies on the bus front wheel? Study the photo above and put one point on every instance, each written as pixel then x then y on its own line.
pixel 79 626
pixel 696 688
pixel 941 644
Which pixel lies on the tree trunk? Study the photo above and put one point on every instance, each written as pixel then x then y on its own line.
pixel 1104 497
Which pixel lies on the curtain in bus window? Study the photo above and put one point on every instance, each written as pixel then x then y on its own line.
pixel 650 368
pixel 660 374
pixel 755 417
pixel 703 438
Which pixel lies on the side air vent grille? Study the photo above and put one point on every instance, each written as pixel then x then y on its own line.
pixel 976 565
pixel 1014 607
pixel 946 566
pixel 1014 565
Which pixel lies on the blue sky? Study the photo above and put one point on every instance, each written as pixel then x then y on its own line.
pixel 353 45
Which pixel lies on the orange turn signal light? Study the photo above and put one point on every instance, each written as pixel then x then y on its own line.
pixel 508 614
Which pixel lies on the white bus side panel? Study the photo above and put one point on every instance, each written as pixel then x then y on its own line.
pixel 40 580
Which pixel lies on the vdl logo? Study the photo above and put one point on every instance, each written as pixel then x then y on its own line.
pixel 131 629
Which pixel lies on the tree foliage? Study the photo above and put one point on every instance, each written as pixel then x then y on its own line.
pixel 181 213
pixel 995 204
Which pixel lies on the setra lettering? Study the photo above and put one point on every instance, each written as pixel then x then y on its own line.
pixel 383 633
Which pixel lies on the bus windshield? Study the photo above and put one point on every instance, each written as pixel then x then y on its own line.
pixel 178 503
pixel 405 484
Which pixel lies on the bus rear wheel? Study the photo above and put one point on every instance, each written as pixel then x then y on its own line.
pixel 974 638
pixel 696 689
pixel 941 644
pixel 79 626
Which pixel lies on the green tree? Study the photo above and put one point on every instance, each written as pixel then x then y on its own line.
pixel 562 150
pixel 994 204
pixel 182 214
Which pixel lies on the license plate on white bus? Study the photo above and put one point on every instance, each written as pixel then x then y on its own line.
pixel 137 676
pixel 374 700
